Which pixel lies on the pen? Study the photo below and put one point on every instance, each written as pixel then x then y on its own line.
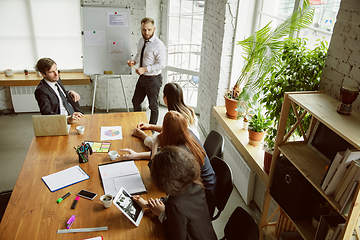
pixel 133 66
pixel 75 202
pixel 63 197
pixel 86 117
pixel 70 222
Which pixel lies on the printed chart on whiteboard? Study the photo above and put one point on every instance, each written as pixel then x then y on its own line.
pixel 111 133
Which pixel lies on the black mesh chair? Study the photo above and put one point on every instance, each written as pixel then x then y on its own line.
pixel 223 188
pixel 4 199
pixel 241 225
pixel 214 144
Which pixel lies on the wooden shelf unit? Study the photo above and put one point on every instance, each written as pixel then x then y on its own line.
pixel 311 166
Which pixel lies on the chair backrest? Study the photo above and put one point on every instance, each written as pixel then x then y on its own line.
pixel 4 199
pixel 214 144
pixel 224 184
pixel 241 223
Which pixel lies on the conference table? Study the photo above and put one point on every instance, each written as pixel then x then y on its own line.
pixel 33 211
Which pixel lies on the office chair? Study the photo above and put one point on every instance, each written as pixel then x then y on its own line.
pixel 214 144
pixel 223 188
pixel 4 199
pixel 241 225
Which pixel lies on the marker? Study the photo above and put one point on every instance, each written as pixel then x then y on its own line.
pixel 70 222
pixel 75 202
pixel 63 197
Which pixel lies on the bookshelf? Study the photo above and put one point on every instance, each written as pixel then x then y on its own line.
pixel 310 165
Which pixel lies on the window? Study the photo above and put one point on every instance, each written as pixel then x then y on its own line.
pixel 31 29
pixel 323 22
pixel 184 36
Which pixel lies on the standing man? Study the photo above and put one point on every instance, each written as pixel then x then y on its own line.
pixel 51 95
pixel 151 56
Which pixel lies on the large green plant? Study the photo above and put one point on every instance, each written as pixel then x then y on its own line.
pixel 260 49
pixel 296 68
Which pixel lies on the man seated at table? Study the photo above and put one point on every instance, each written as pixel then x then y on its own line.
pixel 51 95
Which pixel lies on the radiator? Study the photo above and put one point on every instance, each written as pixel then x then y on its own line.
pixel 23 99
pixel 244 176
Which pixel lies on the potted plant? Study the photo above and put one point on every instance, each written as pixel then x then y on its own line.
pixel 259 52
pixel 26 72
pixel 297 68
pixel 257 126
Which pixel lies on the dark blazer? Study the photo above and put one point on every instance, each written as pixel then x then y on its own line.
pixel 187 216
pixel 49 102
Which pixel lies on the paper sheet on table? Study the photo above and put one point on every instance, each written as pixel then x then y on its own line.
pixel 121 174
pixel 65 178
pixel 111 133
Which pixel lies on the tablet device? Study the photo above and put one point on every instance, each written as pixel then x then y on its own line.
pixel 128 207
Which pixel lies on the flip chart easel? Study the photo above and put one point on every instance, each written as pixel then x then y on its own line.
pixel 106 43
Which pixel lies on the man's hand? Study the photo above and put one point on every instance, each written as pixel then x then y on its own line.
pixel 141 70
pixel 130 63
pixel 74 95
pixel 75 116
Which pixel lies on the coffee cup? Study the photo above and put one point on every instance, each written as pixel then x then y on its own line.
pixel 8 72
pixel 106 200
pixel 80 129
pixel 113 155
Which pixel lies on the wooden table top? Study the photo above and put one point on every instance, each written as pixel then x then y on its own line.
pixel 33 213
pixel 19 79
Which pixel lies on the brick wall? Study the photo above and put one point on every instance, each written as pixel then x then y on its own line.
pixel 216 53
pixel 342 66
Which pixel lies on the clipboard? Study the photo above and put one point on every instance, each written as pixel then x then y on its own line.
pixel 65 178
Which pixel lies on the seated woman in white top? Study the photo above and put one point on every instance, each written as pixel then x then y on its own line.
pixel 174 100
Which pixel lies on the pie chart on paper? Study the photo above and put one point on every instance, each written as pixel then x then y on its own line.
pixel 111 133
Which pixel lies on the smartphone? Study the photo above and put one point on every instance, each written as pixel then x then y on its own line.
pixel 87 194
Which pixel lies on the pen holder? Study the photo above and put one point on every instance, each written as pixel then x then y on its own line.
pixel 83 152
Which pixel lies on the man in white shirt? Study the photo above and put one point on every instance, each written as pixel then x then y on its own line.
pixel 151 56
pixel 51 95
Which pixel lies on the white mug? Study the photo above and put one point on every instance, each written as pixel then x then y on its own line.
pixel 80 129
pixel 113 155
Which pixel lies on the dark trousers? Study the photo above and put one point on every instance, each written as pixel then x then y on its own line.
pixel 148 86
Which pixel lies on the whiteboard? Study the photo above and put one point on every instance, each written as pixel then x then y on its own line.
pixel 106 39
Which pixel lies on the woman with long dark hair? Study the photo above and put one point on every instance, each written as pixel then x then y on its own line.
pixel 174 100
pixel 183 213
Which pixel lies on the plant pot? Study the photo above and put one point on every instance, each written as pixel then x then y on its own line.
pixel 231 105
pixel 267 161
pixel 255 138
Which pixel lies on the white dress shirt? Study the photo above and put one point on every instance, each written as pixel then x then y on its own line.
pixel 154 56
pixel 63 110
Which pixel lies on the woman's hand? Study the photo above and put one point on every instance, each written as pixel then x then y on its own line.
pixel 156 206
pixel 131 154
pixel 143 126
pixel 140 201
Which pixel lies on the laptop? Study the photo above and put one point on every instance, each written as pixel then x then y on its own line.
pixel 50 125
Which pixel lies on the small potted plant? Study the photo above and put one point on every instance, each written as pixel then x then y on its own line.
pixel 257 126
pixel 26 72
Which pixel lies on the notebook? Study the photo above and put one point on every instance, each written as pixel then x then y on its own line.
pixel 50 125
pixel 65 178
